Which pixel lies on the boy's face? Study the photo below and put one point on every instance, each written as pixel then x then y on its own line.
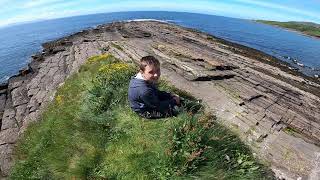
pixel 151 73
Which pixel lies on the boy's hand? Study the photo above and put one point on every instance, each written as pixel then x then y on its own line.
pixel 176 98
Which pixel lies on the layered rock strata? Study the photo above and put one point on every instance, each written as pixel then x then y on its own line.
pixel 274 109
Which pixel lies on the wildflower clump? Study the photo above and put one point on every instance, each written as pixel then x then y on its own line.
pixel 110 69
pixel 98 58
pixel 59 99
pixel 110 85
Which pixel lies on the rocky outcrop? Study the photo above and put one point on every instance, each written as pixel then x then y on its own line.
pixel 274 109
pixel 26 94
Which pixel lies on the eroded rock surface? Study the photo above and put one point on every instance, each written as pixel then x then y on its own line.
pixel 274 109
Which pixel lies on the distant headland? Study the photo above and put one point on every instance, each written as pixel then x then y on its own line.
pixel 307 28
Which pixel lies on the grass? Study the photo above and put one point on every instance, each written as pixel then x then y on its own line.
pixel 117 46
pixel 89 132
pixel 290 131
pixel 304 28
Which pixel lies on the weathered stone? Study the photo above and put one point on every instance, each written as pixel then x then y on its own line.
pixel 36 56
pixel 8 120
pixel 30 118
pixel 25 71
pixel 21 112
pixel 3 99
pixel 32 92
pixel 3 91
pixel 9 136
pixel 39 97
pixel 19 96
pixel 33 105
pixel 56 50
pixel 8 102
pixel 15 84
pixel 58 79
pixel 315 172
pixel 66 43
pixel 6 158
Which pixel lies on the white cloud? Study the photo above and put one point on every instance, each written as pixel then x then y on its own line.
pixel 4 2
pixel 280 7
pixel 47 9
pixel 37 3
pixel 200 6
pixel 47 12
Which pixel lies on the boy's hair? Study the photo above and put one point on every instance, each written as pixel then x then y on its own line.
pixel 148 60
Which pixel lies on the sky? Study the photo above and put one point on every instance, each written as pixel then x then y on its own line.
pixel 18 11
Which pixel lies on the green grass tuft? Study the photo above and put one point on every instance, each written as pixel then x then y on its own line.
pixel 89 132
pixel 117 46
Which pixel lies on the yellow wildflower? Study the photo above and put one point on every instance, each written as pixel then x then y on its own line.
pixel 111 68
pixel 59 99
pixel 98 58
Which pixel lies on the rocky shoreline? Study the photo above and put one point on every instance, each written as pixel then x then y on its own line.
pixel 273 108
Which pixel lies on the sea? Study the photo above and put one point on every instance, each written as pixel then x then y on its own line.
pixel 18 42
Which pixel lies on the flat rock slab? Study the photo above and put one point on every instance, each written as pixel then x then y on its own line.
pixel 6 159
pixel 9 136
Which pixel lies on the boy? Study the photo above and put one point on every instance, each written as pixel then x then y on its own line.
pixel 145 98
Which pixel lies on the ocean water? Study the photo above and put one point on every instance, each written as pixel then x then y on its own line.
pixel 19 42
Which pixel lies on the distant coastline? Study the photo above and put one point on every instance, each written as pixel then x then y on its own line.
pixel 305 28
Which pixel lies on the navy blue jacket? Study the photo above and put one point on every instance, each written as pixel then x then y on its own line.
pixel 145 97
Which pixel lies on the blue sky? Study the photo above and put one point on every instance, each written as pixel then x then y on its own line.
pixel 16 11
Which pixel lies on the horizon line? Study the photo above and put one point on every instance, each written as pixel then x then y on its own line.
pixel 79 15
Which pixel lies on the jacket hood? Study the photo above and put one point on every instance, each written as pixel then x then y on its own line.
pixel 136 82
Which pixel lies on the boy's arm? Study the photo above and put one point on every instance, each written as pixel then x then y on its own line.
pixel 151 100
pixel 164 95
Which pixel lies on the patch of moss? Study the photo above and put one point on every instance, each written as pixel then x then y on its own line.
pixel 289 130
pixel 117 46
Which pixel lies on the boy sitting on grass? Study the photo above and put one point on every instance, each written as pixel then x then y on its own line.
pixel 144 96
